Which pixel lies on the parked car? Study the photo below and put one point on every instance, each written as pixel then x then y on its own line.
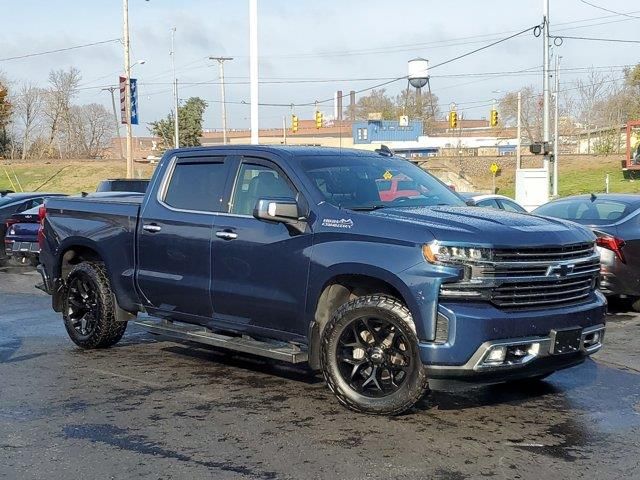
pixel 615 220
pixel 11 203
pixel 123 185
pixel 21 239
pixel 499 202
pixel 397 188
pixel 292 254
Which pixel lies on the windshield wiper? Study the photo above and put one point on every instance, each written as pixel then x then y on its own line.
pixel 366 208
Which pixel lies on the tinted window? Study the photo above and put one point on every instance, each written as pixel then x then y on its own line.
pixel 255 182
pixel 351 181
pixel 197 186
pixel 510 206
pixel 407 185
pixel 488 203
pixel 597 212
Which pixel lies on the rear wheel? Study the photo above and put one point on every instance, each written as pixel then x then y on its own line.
pixel 635 304
pixel 370 356
pixel 89 307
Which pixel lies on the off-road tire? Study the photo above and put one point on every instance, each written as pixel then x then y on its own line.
pixel 107 331
pixel 415 385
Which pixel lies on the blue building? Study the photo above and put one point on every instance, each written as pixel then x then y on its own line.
pixel 369 131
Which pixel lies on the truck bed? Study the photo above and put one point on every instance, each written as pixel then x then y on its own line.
pixel 105 224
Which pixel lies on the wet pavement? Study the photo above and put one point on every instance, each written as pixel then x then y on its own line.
pixel 152 408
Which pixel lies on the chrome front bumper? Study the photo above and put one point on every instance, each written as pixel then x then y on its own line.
pixel 525 357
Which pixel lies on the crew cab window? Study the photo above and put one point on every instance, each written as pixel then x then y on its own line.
pixel 197 186
pixel 255 182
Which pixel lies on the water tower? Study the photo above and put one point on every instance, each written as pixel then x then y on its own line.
pixel 418 77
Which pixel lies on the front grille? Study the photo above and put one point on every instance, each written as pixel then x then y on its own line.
pixel 541 294
pixel 545 254
pixel 531 278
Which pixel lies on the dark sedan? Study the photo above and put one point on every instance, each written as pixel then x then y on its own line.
pixel 21 239
pixel 615 220
pixel 11 203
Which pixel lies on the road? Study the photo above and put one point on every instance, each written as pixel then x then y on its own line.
pixel 152 408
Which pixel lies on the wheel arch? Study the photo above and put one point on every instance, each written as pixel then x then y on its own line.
pixel 73 252
pixel 342 284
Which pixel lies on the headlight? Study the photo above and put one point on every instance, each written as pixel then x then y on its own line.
pixel 450 254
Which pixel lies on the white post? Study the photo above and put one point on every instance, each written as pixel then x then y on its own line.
pixel 176 120
pixel 253 68
pixel 284 129
pixel 545 82
pixel 556 130
pixel 519 141
pixel 127 89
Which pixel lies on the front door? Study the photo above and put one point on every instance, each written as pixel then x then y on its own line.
pixel 260 268
pixel 174 238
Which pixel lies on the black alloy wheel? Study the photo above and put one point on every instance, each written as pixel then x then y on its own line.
pixel 373 357
pixel 83 305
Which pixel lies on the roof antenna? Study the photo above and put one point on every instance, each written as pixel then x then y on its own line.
pixel 384 151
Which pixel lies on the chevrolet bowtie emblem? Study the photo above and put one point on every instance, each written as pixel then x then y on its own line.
pixel 560 270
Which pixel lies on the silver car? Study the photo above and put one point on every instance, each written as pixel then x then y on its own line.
pixel 615 220
pixel 499 202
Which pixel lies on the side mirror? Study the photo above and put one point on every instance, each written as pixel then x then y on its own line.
pixel 277 210
pixel 471 202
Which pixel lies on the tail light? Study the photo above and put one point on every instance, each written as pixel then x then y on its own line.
pixel 42 214
pixel 9 222
pixel 612 243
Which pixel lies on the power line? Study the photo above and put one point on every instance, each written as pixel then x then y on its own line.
pixel 608 10
pixel 615 40
pixel 75 47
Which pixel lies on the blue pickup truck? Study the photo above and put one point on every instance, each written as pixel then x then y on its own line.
pixel 290 253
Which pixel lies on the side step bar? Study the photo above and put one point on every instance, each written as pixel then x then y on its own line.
pixel 271 349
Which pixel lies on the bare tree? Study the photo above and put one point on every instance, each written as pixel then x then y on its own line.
pixel 591 91
pixel 90 131
pixel 531 112
pixel 28 109
pixel 62 90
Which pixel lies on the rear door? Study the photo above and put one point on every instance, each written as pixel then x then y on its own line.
pixel 261 268
pixel 174 237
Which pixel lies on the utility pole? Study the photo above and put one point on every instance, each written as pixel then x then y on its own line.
pixel 127 88
pixel 253 69
pixel 176 123
pixel 518 143
pixel 556 137
pixel 545 83
pixel 115 117
pixel 221 61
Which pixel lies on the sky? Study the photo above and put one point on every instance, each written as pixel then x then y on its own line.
pixel 309 49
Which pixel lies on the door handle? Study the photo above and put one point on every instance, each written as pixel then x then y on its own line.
pixel 152 228
pixel 226 235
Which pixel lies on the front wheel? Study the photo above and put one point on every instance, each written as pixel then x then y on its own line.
pixel 370 356
pixel 89 307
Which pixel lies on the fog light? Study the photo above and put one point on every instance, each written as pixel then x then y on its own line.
pixel 496 354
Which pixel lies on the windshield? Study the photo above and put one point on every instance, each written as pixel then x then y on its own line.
pixel 373 181
pixel 586 211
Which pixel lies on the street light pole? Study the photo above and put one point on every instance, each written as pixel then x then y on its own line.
pixel 221 61
pixel 518 143
pixel 253 69
pixel 545 82
pixel 115 117
pixel 176 124
pixel 127 88
pixel 556 129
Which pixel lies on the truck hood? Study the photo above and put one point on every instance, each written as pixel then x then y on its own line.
pixel 487 227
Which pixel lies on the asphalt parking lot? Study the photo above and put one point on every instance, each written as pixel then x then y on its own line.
pixel 153 408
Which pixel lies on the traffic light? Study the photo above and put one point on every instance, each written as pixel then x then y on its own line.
pixel 494 118
pixel 318 119
pixel 294 123
pixel 453 119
